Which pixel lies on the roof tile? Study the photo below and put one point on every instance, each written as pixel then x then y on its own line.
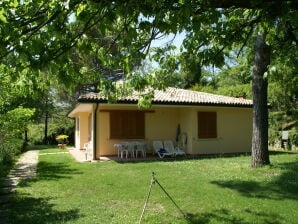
pixel 175 96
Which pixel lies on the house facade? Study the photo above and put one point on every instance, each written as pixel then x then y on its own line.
pixel 202 123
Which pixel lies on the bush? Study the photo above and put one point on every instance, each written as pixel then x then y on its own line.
pixel 13 125
pixel 9 149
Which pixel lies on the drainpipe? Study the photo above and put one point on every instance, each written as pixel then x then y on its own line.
pixel 95 131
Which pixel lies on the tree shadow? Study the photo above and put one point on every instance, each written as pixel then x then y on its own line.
pixel 25 209
pixel 54 171
pixel 283 186
pixel 225 216
pixel 282 152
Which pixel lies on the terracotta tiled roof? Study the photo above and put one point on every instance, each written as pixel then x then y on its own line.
pixel 176 96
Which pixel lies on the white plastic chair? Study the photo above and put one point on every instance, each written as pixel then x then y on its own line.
pixel 88 149
pixel 131 148
pixel 121 147
pixel 141 147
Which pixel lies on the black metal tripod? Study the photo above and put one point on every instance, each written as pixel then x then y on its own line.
pixel 153 181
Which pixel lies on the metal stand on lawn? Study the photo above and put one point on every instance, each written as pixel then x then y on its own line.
pixel 153 181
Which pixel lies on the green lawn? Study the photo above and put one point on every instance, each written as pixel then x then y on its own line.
pixel 214 190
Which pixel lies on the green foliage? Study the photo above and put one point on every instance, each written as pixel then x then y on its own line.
pixel 293 136
pixel 207 89
pixel 13 125
pixel 57 125
pixel 280 121
pixel 283 82
pixel 244 90
pixel 276 119
pixel 36 133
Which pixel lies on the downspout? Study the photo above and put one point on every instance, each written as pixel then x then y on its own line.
pixel 95 131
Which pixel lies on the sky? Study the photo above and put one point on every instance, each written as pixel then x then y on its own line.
pixel 178 39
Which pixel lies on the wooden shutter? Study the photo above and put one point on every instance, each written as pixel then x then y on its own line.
pixel 207 125
pixel 127 125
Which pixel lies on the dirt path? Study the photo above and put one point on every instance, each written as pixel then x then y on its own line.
pixel 24 169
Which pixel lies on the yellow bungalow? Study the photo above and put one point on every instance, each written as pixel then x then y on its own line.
pixel 209 124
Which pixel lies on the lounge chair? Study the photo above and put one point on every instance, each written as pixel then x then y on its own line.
pixel 169 147
pixel 160 150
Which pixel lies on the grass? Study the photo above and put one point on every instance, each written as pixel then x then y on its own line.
pixel 210 190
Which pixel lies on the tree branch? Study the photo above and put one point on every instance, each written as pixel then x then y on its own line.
pixel 247 4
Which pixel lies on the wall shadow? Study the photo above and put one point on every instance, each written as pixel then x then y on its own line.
pixel 283 186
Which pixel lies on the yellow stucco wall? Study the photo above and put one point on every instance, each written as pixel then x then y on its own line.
pixel 84 129
pixel 234 127
pixel 234 131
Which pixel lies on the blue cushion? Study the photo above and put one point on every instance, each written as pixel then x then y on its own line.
pixel 162 150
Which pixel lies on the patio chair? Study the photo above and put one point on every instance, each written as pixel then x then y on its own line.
pixel 160 150
pixel 131 147
pixel 169 146
pixel 121 147
pixel 141 147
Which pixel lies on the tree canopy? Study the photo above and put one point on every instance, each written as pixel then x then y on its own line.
pixel 41 34
pixel 60 36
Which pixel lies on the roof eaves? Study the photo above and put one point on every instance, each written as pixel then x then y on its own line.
pixel 202 104
pixel 157 102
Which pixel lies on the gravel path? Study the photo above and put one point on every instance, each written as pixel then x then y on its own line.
pixel 24 169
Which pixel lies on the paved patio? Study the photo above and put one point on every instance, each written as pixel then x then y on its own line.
pixel 80 156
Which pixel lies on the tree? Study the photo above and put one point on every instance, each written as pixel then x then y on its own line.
pixel 260 155
pixel 213 28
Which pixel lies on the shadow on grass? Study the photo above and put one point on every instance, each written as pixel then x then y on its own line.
pixel 225 216
pixel 41 147
pixel 155 158
pixel 283 186
pixel 26 209
pixel 53 171
pixel 169 159
pixel 282 152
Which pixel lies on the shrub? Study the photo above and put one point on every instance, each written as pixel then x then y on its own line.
pixel 293 137
pixel 13 125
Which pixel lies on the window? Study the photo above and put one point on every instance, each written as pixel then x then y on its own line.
pixel 127 125
pixel 207 127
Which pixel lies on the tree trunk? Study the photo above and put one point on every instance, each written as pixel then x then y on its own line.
pixel 45 138
pixel 260 153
